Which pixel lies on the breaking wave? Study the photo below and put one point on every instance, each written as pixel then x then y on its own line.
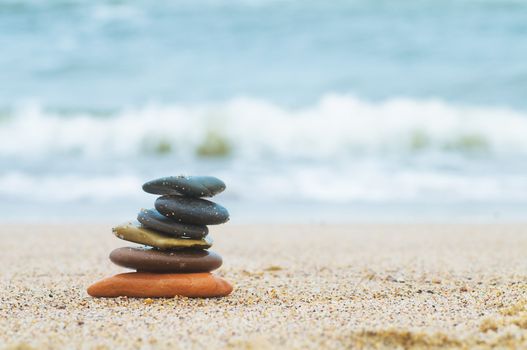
pixel 339 150
pixel 337 126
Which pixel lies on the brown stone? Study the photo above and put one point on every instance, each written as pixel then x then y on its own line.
pixel 166 261
pixel 166 285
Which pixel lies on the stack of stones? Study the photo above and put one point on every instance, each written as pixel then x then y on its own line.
pixel 175 259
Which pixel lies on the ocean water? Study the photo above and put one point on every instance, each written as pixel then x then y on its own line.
pixel 309 110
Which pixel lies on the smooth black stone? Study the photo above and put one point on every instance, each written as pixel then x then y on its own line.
pixel 188 186
pixel 151 218
pixel 191 210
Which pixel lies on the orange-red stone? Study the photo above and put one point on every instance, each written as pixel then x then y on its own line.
pixel 161 285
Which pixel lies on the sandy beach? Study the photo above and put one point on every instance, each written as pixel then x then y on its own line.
pixel 316 286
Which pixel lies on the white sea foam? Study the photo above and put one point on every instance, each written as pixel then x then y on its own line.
pixel 339 150
pixel 317 184
pixel 337 127
pixel 68 187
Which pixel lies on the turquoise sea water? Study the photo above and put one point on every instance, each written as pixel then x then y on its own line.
pixel 110 54
pixel 320 109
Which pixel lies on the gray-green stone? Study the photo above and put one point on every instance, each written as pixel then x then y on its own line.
pixel 137 233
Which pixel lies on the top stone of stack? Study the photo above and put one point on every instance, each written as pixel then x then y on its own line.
pixel 188 186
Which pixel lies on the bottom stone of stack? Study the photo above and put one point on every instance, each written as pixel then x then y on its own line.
pixel 161 285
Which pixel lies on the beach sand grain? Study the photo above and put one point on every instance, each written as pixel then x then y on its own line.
pixel 296 286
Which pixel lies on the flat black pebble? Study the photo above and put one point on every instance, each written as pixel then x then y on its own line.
pixel 151 218
pixel 189 186
pixel 192 210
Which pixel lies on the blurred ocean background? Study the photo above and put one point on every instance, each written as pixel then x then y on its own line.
pixel 309 110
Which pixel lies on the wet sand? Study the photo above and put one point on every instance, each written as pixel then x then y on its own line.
pixel 312 286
